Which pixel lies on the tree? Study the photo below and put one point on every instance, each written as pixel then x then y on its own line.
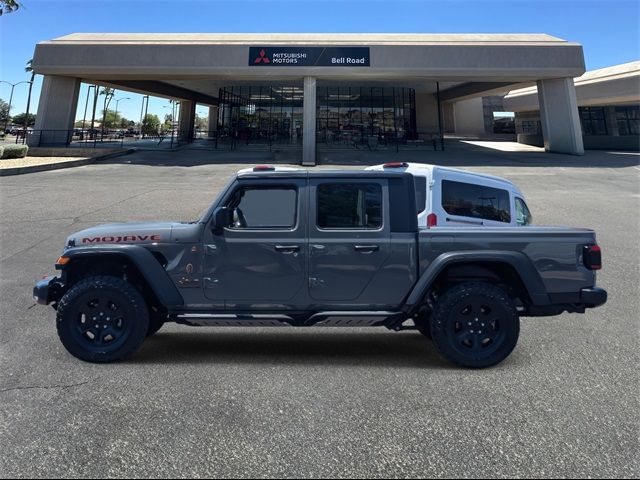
pixel 202 123
pixel 150 124
pixel 21 119
pixel 108 95
pixel 168 122
pixel 8 6
pixel 29 69
pixel 4 112
pixel 110 119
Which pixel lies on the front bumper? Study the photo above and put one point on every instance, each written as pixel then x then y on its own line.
pixel 47 290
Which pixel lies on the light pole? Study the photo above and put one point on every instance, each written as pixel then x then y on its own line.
pixel 86 104
pixel 145 99
pixel 116 118
pixel 13 85
pixel 202 117
pixel 124 98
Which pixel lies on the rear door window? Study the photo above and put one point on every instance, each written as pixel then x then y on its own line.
pixel 475 201
pixel 349 205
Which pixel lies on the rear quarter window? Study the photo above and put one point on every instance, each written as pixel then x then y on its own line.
pixel 421 193
pixel 475 201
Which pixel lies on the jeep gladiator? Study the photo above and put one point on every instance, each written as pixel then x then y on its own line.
pixel 322 249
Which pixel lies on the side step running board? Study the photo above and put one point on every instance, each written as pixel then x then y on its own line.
pixel 320 319
pixel 350 319
pixel 229 320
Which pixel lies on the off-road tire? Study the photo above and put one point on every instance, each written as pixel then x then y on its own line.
pixel 475 325
pixel 102 319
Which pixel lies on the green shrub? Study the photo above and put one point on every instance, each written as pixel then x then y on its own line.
pixel 14 151
pixel 1 150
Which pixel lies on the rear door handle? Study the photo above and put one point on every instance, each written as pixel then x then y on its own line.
pixel 366 248
pixel 287 248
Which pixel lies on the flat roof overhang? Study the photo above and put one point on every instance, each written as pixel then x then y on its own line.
pixel 197 64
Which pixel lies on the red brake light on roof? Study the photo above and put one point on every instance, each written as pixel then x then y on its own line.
pixel 432 220
pixel 263 168
pixel 395 165
pixel 592 257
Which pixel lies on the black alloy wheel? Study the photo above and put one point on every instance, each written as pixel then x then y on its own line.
pixel 102 319
pixel 475 325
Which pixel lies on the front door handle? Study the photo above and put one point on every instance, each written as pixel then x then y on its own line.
pixel 366 248
pixel 287 248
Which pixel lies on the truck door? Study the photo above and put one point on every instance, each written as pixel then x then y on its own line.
pixel 259 260
pixel 349 238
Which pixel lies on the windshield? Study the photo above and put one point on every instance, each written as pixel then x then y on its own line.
pixel 523 215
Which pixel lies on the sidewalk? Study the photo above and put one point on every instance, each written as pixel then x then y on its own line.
pixel 18 166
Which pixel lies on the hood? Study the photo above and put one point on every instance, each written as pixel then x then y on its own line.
pixel 118 233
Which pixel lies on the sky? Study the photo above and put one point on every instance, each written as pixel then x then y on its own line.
pixel 607 29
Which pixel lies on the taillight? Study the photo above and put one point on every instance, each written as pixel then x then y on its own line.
pixel 432 220
pixel 263 168
pixel 395 165
pixel 592 257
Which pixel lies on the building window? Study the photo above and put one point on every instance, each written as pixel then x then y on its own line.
pixel 592 120
pixel 530 127
pixel 352 115
pixel 628 119
pixel 344 115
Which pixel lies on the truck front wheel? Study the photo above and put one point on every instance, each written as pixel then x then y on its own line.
pixel 475 325
pixel 102 319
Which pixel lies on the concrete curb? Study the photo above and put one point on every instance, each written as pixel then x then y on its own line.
pixel 60 165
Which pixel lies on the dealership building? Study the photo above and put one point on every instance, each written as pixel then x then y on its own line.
pixel 316 89
pixel 608 107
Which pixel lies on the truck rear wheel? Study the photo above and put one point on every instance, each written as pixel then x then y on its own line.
pixel 102 319
pixel 475 325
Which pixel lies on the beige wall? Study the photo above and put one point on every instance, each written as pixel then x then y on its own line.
pixel 426 113
pixel 469 117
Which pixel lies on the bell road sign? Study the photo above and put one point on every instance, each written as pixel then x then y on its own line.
pixel 309 56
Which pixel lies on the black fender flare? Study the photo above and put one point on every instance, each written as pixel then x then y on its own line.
pixel 156 276
pixel 519 261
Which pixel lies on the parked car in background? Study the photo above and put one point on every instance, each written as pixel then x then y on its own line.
pixel 453 197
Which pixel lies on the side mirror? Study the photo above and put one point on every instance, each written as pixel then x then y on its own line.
pixel 221 219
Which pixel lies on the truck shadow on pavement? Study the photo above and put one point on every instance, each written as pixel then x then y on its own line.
pixel 357 349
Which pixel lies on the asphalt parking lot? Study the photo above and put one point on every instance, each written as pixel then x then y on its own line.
pixel 317 402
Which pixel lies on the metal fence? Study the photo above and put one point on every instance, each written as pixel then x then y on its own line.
pixel 325 140
pixel 96 139
pixel 230 141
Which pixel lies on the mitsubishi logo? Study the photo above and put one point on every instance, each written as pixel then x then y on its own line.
pixel 262 58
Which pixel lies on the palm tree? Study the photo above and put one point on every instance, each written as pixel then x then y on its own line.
pixel 29 69
pixel 108 95
pixel 8 6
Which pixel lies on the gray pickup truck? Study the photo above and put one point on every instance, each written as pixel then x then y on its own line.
pixel 321 249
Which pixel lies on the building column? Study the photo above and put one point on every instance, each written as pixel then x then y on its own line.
pixel 561 129
pixel 213 121
pixel 56 111
pixel 309 122
pixel 187 120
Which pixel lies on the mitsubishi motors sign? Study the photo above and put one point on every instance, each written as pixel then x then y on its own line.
pixel 309 56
